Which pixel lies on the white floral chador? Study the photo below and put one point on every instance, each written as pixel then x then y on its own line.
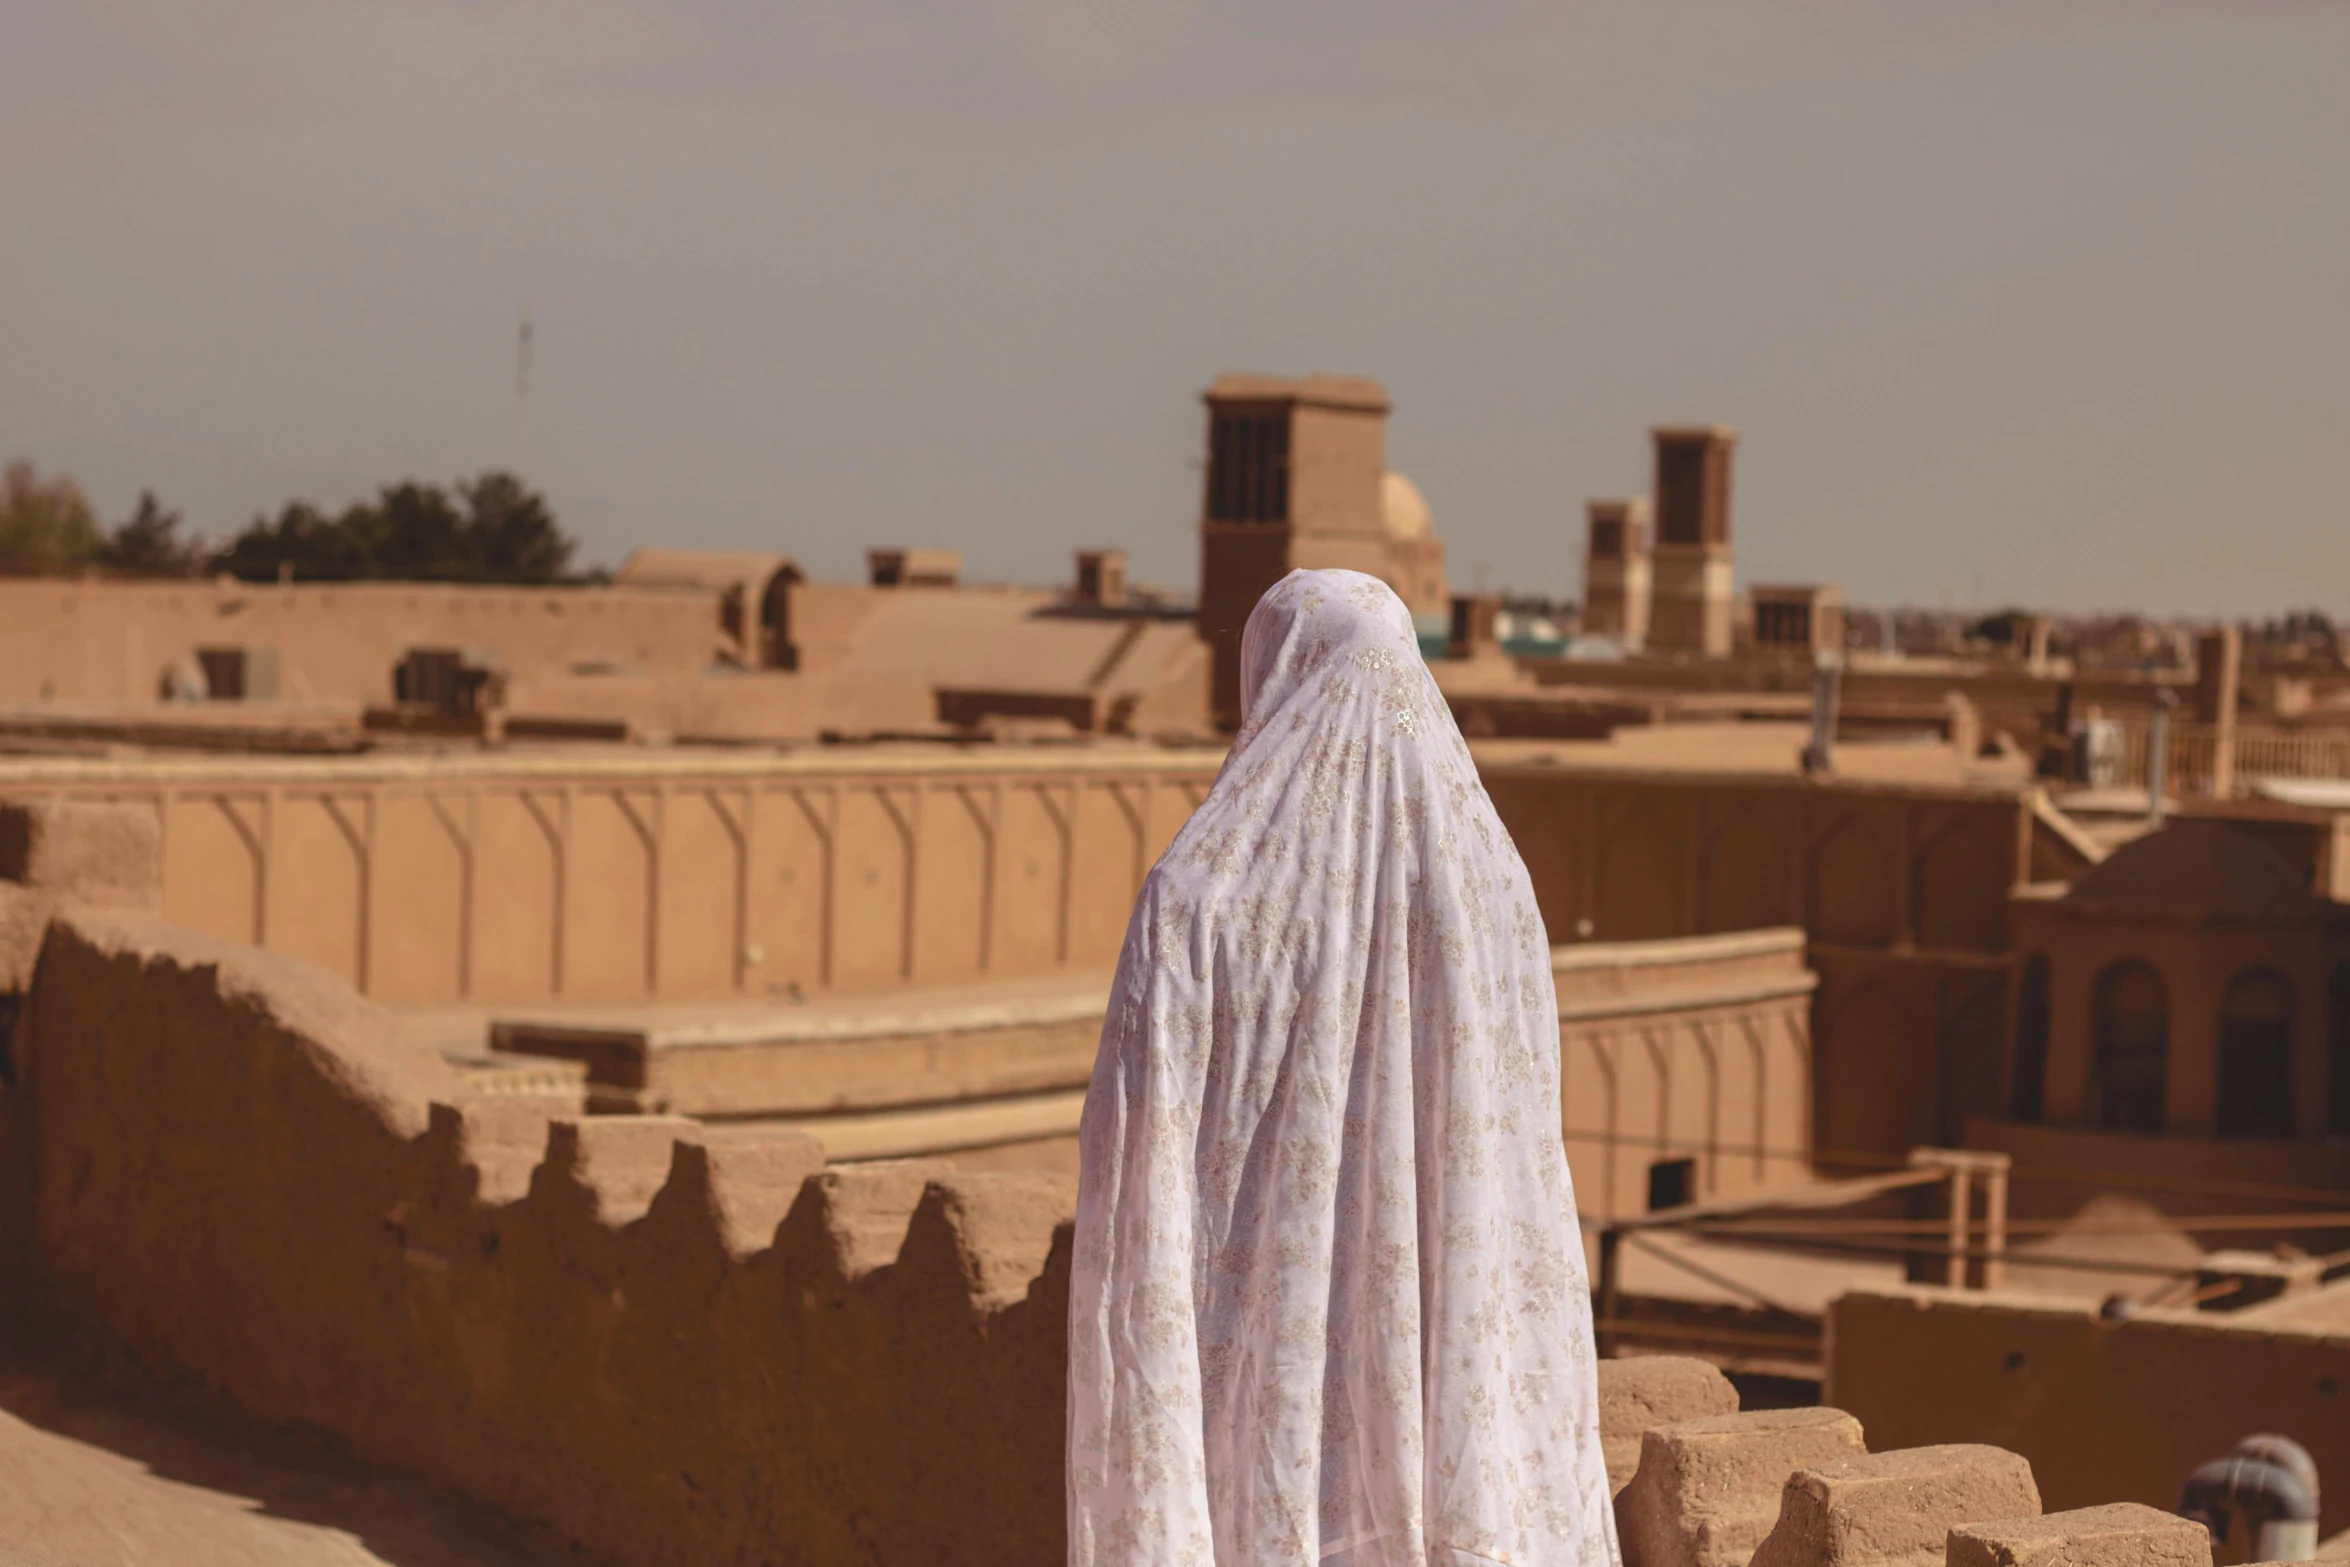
pixel 1329 1303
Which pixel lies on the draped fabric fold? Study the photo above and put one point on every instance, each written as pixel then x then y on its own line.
pixel 1329 1302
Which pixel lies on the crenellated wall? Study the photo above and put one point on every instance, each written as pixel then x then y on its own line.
pixel 671 1343
pixel 678 1344
pixel 2104 1408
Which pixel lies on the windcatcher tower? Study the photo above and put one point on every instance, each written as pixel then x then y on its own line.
pixel 1692 565
pixel 1616 572
pixel 1294 479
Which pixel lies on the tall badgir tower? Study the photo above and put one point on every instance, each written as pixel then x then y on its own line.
pixel 1297 477
pixel 1690 566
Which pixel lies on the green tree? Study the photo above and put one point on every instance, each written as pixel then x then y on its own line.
pixel 148 544
pixel 46 525
pixel 493 529
pixel 2004 629
pixel 513 531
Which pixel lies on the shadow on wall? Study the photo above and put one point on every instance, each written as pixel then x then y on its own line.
pixel 668 1342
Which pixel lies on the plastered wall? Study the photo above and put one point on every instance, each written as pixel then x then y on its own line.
pixel 660 875
pixel 673 1345
pixel 94 642
pixel 2104 1411
pixel 1696 1049
pixel 1902 892
pixel 620 876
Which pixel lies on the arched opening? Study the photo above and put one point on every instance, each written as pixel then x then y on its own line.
pixel 2338 1051
pixel 2028 1092
pixel 2133 1048
pixel 2255 1057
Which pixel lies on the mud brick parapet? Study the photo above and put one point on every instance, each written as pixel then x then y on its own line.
pixel 2125 1534
pixel 1894 1509
pixel 675 1343
pixel 97 854
pixel 672 1343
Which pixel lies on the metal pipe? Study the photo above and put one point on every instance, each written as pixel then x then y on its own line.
pixel 2286 1539
pixel 2158 755
pixel 1827 680
pixel 1995 1223
pixel 1961 1199
pixel 2278 1510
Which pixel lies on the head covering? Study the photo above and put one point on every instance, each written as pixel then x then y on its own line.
pixel 1329 1302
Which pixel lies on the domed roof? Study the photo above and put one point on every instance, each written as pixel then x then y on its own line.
pixel 2198 869
pixel 1402 511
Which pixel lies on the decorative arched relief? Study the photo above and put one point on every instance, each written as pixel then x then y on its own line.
pixel 609 869
pixel 1639 876
pixel 869 903
pixel 701 880
pixel 1746 876
pixel 2257 1070
pixel 1962 886
pixel 1855 891
pixel 1106 870
pixel 518 942
pixel 1973 1037
pixel 1547 822
pixel 213 866
pixel 318 883
pixel 958 860
pixel 1878 1077
pixel 416 949
pixel 1032 867
pixel 791 887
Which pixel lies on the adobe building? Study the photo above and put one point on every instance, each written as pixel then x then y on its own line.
pixel 1297 477
pixel 1805 619
pixel 1693 569
pixel 1616 569
pixel 357 1240
pixel 2191 988
pixel 94 644
pixel 1101 579
pixel 1415 555
pixel 752 588
pixel 914 568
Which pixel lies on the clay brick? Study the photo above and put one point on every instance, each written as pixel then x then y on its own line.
pixel 620 1162
pixel 851 1219
pixel 1707 1491
pixel 1653 1390
pixel 987 1235
pixel 106 855
pixel 501 1140
pixel 2126 1534
pixel 747 1180
pixel 1894 1509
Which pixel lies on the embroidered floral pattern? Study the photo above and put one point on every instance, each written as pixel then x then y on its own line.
pixel 1329 1301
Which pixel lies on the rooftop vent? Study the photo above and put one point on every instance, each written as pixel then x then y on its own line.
pixel 915 568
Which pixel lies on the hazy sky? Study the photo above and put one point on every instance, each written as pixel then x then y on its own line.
pixel 2009 307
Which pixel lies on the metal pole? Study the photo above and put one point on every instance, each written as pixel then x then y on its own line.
pixel 1995 1168
pixel 1961 1199
pixel 1827 675
pixel 2158 755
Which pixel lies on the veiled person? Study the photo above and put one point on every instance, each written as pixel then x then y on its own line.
pixel 1329 1302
